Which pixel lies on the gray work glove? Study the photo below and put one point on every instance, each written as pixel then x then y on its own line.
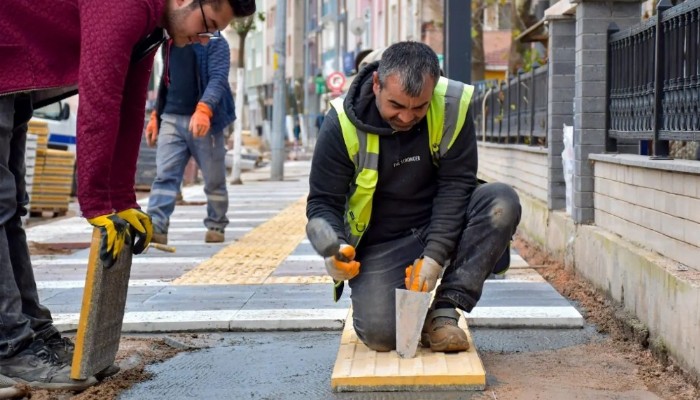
pixel 343 266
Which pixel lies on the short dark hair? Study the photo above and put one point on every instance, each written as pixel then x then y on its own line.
pixel 242 8
pixel 411 61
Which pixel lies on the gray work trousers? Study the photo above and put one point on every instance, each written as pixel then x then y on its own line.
pixel 22 317
pixel 492 216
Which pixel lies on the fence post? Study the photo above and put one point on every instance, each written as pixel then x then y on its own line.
pixel 660 146
pixel 508 108
pixel 610 143
pixel 532 95
pixel 517 107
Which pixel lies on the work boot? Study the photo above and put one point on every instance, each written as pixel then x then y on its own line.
pixel 158 237
pixel 441 333
pixel 63 347
pixel 39 367
pixel 214 235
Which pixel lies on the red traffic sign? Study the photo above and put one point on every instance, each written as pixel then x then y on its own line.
pixel 335 81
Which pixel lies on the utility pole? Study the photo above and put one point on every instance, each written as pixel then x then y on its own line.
pixel 279 105
pixel 339 58
pixel 307 74
pixel 458 40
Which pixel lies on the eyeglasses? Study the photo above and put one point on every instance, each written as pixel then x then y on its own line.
pixel 206 34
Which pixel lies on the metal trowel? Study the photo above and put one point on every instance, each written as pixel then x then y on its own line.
pixel 411 309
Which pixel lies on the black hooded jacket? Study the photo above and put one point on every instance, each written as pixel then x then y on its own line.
pixel 411 193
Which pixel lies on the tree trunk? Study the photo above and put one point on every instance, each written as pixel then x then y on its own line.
pixel 241 48
pixel 521 19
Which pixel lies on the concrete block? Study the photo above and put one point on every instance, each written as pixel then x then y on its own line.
pixel 586 105
pixel 581 152
pixel 590 122
pixel 561 107
pixel 562 27
pixel 593 25
pixel 557 82
pixel 590 57
pixel 559 120
pixel 596 10
pixel 596 90
pixel 592 72
pixel 583 168
pixel 584 185
pixel 560 95
pixel 584 215
pixel 562 55
pixel 592 41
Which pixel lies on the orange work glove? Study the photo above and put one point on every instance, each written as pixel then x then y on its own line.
pixel 201 120
pixel 427 271
pixel 347 268
pixel 152 129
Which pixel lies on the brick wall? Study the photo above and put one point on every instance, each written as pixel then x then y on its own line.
pixel 656 209
pixel 524 168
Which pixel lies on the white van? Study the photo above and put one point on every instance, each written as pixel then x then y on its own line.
pixel 61 118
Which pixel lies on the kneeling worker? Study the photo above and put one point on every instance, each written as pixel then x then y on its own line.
pixel 394 174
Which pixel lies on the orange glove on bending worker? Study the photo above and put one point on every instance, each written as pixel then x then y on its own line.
pixel 152 129
pixel 345 268
pixel 201 120
pixel 426 275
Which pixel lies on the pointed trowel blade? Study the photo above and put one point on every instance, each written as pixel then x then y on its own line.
pixel 411 308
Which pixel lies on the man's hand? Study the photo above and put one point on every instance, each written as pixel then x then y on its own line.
pixel 152 129
pixel 114 233
pixel 342 270
pixel 201 120
pixel 426 275
pixel 141 222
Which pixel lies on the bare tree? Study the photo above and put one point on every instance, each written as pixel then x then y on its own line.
pixel 521 19
pixel 242 26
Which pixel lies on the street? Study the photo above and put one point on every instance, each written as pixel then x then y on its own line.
pixel 228 324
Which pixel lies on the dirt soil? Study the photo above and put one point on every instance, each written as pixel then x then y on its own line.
pixel 133 356
pixel 620 367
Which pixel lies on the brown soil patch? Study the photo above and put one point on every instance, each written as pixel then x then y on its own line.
pixel 49 249
pixel 624 366
pixel 133 356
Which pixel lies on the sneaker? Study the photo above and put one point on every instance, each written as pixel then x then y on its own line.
pixel 441 333
pixel 39 367
pixel 161 238
pixel 64 347
pixel 214 235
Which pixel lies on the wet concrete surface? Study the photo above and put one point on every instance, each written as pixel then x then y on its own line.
pixel 298 365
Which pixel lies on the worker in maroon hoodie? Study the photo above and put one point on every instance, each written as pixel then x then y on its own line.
pixel 103 50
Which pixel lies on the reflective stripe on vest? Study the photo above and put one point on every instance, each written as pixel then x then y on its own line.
pixel 446 116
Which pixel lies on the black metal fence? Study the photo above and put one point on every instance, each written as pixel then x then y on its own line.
pixel 653 83
pixel 513 111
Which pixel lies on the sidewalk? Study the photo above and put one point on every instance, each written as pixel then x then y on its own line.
pixel 265 276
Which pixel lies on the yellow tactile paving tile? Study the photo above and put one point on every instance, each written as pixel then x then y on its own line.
pixel 255 256
pixel 359 369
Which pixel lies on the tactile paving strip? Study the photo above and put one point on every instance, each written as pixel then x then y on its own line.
pixel 255 256
pixel 359 369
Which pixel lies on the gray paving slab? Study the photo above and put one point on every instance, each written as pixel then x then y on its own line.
pixel 199 297
pixel 295 297
pixel 300 268
pixel 517 294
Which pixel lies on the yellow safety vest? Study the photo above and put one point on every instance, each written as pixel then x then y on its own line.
pixel 446 115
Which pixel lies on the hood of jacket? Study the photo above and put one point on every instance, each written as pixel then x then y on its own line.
pixel 361 104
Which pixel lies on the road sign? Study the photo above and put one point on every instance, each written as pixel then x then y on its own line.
pixel 335 81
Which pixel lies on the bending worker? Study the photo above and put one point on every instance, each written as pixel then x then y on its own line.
pixel 394 173
pixel 105 50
